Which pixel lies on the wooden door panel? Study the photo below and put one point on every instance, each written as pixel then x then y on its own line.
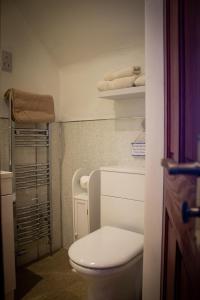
pixel 177 189
pixel 181 252
pixel 177 284
pixel 192 75
pixel 172 53
pixel 170 259
pixel 183 285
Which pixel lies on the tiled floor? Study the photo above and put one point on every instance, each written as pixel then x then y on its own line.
pixel 50 278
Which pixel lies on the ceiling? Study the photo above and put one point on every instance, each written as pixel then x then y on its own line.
pixel 74 30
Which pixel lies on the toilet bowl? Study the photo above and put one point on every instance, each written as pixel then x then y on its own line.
pixel 110 260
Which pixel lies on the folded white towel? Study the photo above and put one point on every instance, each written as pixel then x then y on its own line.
pixel 126 72
pixel 140 80
pixel 119 83
pixel 103 85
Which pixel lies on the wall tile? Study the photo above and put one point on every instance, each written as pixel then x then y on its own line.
pixel 92 144
pixel 27 155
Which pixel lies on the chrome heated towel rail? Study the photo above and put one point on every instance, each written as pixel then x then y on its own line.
pixel 30 163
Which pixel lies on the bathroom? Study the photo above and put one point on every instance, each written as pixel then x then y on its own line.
pixel 64 49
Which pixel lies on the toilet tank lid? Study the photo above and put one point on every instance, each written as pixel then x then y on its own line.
pixel 123 169
pixel 106 247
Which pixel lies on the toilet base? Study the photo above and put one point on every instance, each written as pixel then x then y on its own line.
pixel 126 285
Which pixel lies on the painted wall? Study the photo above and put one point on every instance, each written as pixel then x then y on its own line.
pixel 33 68
pixel 74 31
pixel 155 148
pixel 78 90
pixel 107 37
pixel 87 39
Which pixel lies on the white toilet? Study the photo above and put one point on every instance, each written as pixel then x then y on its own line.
pixel 110 258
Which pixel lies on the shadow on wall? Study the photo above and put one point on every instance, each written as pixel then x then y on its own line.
pixel 130 108
pixel 31 279
pixel 73 32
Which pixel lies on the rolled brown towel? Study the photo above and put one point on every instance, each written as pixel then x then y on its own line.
pixel 30 108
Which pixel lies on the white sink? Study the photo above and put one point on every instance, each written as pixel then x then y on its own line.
pixel 6 182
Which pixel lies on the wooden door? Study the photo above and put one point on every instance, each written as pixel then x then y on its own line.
pixel 181 241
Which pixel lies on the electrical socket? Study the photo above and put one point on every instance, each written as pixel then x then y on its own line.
pixel 6 61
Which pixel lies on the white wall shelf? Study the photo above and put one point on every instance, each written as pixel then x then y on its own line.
pixel 123 94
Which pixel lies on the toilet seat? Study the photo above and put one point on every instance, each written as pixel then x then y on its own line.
pixel 107 247
pixel 94 273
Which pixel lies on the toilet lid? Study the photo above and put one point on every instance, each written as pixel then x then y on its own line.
pixel 107 247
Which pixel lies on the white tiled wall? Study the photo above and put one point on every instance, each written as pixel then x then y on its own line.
pixel 56 196
pixel 92 144
pixel 88 144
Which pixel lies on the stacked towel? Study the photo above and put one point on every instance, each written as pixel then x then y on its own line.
pixel 30 108
pixel 118 83
pixel 126 72
pixel 120 79
pixel 140 80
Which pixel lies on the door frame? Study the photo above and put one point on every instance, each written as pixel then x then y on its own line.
pixel 154 69
pixel 178 272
